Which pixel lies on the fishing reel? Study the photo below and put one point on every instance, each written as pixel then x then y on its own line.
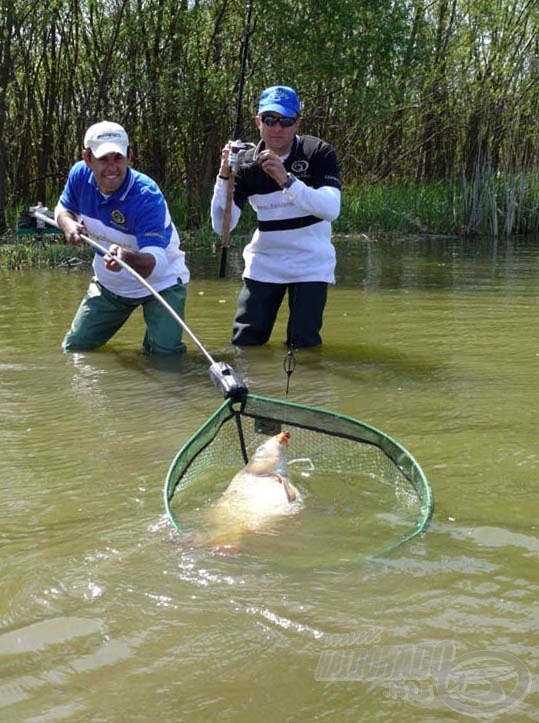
pixel 43 210
pixel 236 152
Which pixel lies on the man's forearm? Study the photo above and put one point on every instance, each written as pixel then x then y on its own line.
pixel 141 262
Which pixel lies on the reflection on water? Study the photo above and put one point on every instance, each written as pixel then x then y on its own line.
pixel 105 616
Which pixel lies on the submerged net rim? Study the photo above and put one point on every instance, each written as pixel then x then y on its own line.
pixel 311 418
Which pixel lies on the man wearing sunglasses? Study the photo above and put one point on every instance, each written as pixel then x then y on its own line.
pixel 292 181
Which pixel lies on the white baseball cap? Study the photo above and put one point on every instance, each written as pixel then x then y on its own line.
pixel 106 137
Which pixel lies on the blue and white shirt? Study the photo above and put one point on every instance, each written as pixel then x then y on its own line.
pixel 136 217
pixel 292 241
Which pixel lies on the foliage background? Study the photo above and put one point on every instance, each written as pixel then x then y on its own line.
pixel 436 94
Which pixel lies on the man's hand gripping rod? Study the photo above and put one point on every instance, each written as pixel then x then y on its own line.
pixel 221 373
pixel 236 152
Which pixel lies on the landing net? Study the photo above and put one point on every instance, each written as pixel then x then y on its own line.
pixel 324 446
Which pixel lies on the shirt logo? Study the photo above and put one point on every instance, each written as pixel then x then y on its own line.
pixel 118 217
pixel 300 166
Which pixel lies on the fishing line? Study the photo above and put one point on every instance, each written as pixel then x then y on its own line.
pixel 290 359
pixel 289 366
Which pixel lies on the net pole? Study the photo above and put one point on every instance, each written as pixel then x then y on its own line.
pixel 98 247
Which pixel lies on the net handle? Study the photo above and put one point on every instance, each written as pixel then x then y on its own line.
pixel 96 245
pixel 222 374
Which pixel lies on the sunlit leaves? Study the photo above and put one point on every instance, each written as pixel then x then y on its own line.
pixel 405 89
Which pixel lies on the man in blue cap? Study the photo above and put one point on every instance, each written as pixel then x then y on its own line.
pixel 292 181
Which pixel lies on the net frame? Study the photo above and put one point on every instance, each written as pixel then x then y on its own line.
pixel 269 415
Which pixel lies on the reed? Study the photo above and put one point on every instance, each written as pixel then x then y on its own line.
pixel 398 207
pixel 487 205
pixel 42 254
pixel 495 205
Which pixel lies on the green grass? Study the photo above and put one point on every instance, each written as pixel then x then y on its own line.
pixel 42 254
pixel 488 205
pixel 395 208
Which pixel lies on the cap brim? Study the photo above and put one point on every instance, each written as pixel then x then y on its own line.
pixel 276 108
pixel 104 148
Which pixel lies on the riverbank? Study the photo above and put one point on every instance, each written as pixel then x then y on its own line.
pixel 485 207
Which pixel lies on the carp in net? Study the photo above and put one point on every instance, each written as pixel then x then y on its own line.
pixel 325 449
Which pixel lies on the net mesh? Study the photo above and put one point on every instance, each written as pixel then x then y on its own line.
pixel 324 446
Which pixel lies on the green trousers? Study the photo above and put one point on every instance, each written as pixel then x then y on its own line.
pixel 101 314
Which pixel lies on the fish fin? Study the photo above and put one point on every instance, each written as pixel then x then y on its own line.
pixel 289 490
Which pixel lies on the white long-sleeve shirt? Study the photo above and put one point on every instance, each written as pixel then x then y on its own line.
pixel 292 241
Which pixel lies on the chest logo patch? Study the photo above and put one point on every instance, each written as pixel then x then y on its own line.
pixel 118 217
pixel 300 166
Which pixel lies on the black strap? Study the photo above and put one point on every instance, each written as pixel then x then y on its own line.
pixel 288 224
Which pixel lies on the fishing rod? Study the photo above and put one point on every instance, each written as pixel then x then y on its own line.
pixel 221 373
pixel 236 146
pixel 243 65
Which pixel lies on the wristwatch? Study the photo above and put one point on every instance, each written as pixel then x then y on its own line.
pixel 290 179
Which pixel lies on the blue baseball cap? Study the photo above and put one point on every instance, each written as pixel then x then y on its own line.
pixel 280 99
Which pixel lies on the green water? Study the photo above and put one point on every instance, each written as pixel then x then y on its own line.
pixel 104 617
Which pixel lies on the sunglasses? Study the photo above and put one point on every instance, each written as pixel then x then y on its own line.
pixel 271 120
